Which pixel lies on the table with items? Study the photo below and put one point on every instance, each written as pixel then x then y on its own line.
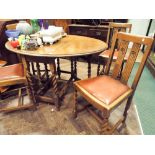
pixel 38 53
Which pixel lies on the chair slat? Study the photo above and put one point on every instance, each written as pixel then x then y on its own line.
pixel 142 64
pixel 108 65
pixel 122 52
pixel 130 62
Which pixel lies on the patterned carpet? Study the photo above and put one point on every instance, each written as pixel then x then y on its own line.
pixel 46 121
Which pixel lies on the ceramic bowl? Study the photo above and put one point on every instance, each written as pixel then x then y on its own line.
pixel 12 33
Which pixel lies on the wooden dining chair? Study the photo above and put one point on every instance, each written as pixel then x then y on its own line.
pixel 112 29
pixel 107 92
pixel 10 76
pixel 3 62
pixel 14 75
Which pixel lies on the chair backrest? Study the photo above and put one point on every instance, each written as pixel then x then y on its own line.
pixel 117 27
pixel 136 41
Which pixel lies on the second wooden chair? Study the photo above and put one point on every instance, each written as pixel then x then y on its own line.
pixel 104 56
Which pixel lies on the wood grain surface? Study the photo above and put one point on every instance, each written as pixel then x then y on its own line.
pixel 69 46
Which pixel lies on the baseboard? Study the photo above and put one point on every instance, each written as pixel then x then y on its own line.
pixel 141 129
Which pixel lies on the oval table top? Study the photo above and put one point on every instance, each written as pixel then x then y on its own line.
pixel 68 46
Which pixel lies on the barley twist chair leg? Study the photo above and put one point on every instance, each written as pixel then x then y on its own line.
pixel 125 114
pixel 128 104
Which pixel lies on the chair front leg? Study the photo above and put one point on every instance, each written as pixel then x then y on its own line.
pixel 105 129
pixel 128 104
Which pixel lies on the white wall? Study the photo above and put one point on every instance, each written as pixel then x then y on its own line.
pixel 139 26
pixel 152 28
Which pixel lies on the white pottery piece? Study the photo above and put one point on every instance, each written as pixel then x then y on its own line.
pixel 24 27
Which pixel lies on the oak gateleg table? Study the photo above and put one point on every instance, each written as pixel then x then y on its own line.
pixel 40 80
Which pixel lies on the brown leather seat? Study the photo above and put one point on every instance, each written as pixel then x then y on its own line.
pixel 106 54
pixel 11 73
pixel 104 88
pixel 3 63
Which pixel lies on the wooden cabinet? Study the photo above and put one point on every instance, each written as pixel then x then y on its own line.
pixel 98 32
pixel 95 28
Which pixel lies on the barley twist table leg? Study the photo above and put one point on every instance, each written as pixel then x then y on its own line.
pixel 31 85
pixel 58 68
pixel 55 86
